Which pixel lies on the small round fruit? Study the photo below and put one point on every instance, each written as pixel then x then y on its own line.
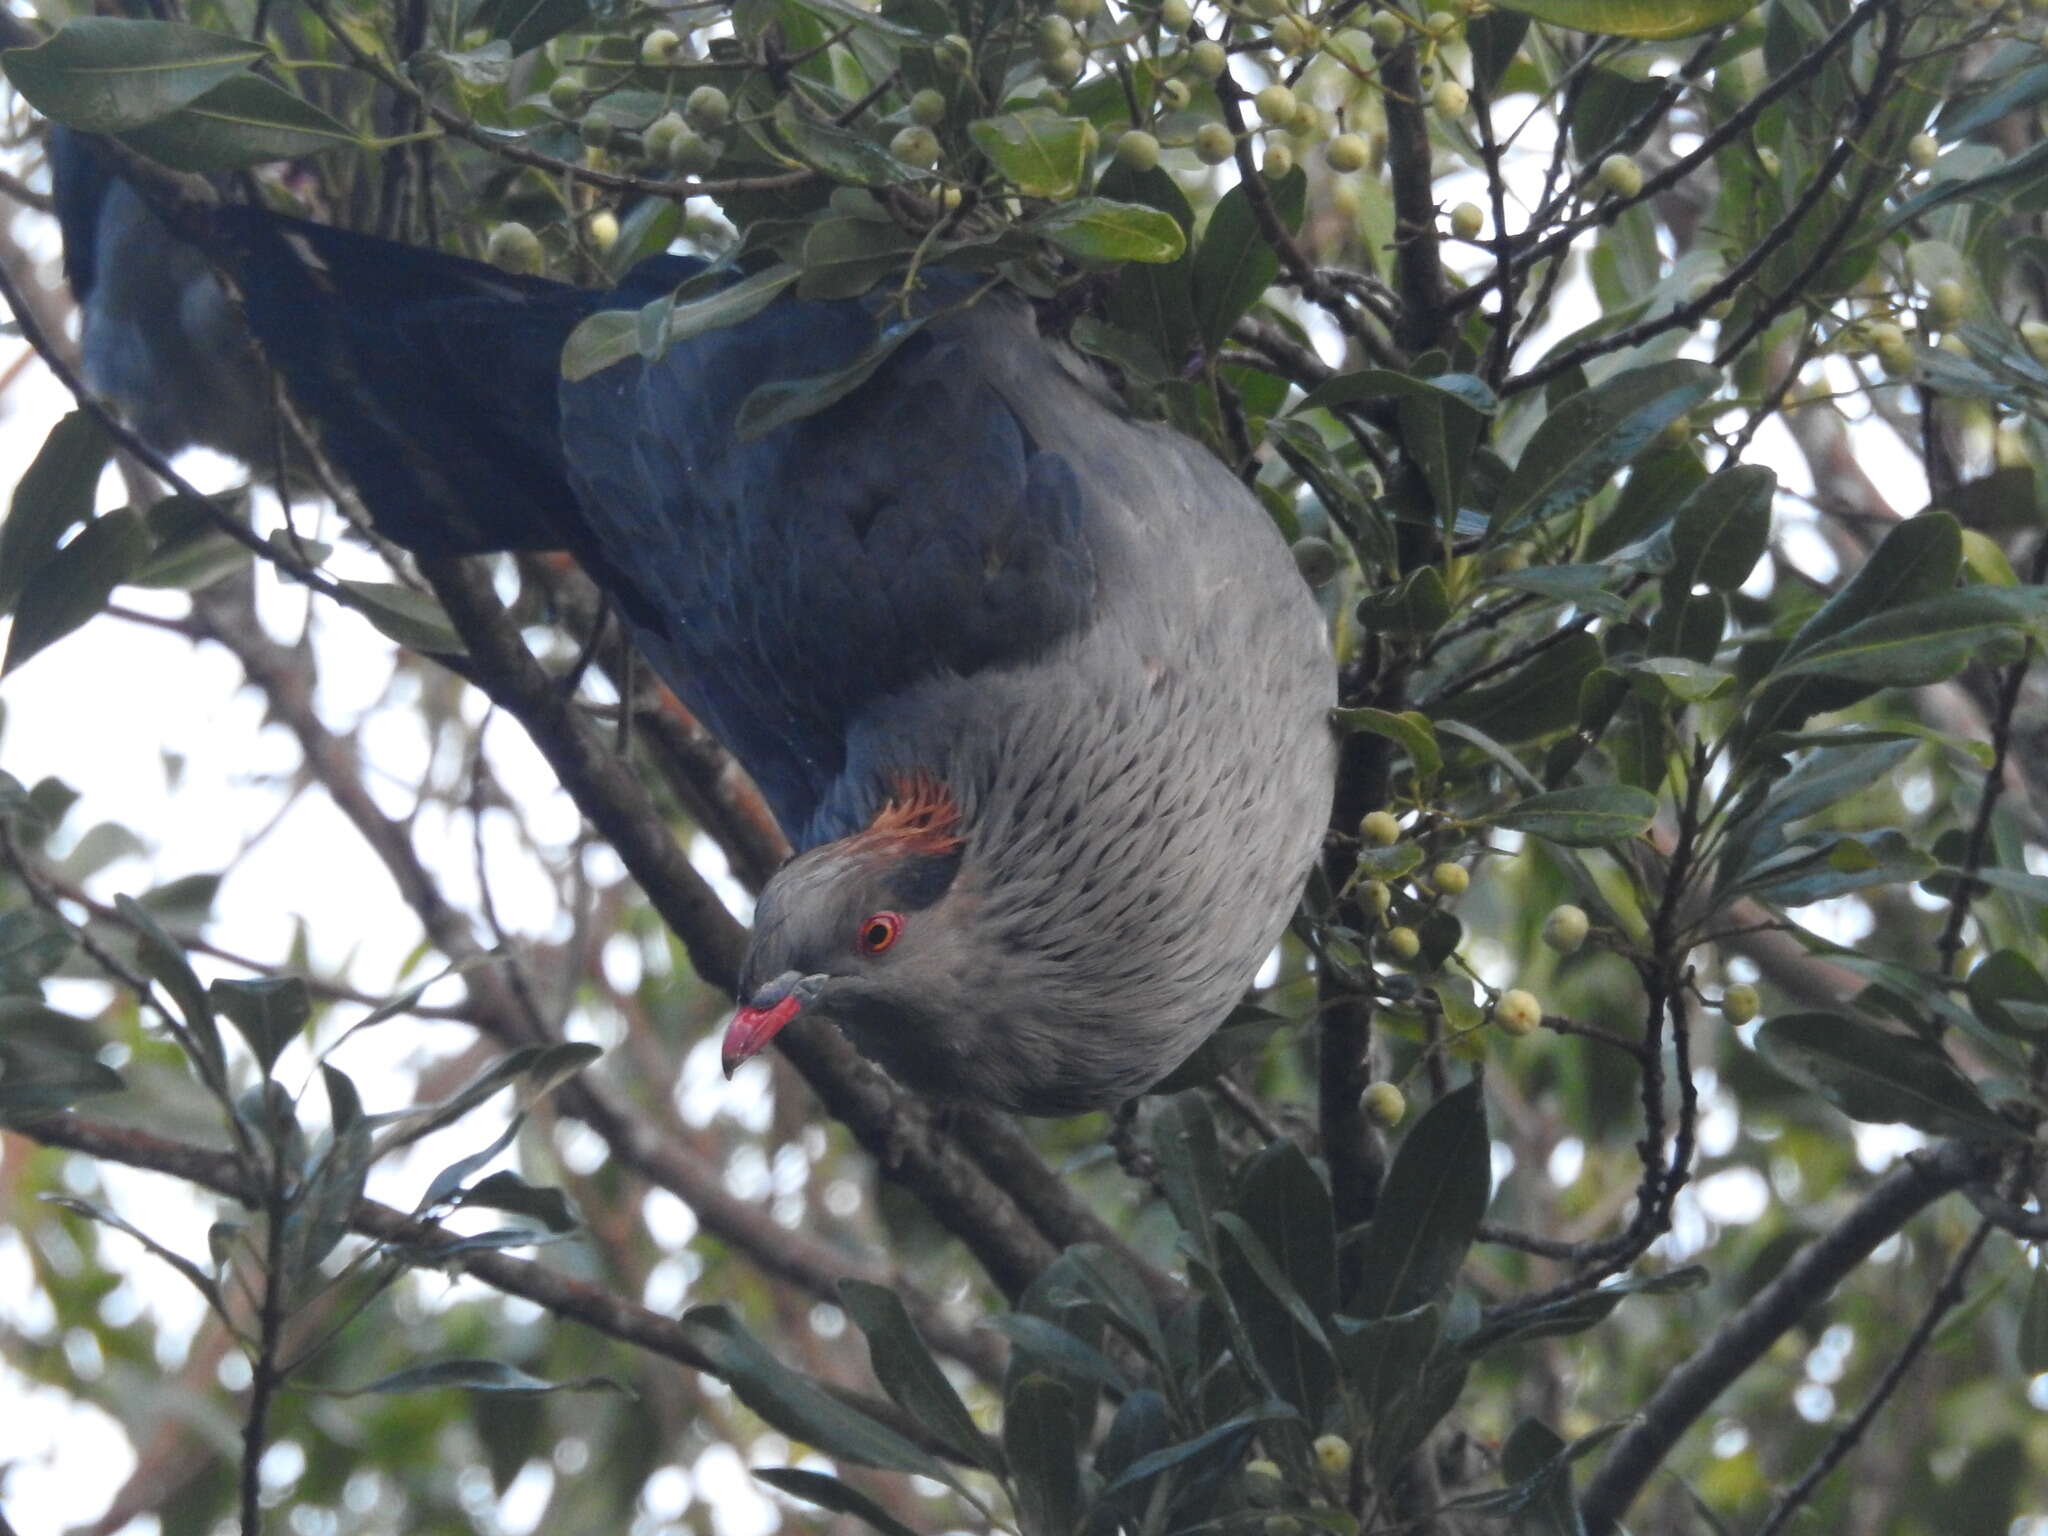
pixel 1566 928
pixel 1386 29
pixel 1621 176
pixel 1214 144
pixel 1263 1482
pixel 1386 1107
pixel 1895 353
pixel 1441 24
pixel 1276 104
pixel 1316 559
pixel 1922 150
pixel 1291 35
pixel 603 229
pixel 692 154
pixel 1767 161
pixel 1380 827
pixel 707 108
pixel 565 93
pixel 1348 152
pixel 916 145
pixel 1055 33
pixel 1518 1012
pixel 1376 896
pixel 1467 221
pixel 1403 942
pixel 1208 60
pixel 1333 1452
pixel 515 248
pixel 1137 151
pixel 1450 879
pixel 1174 95
pixel 595 132
pixel 660 138
pixel 1739 1004
pixel 1176 15
pixel 1065 66
pixel 659 46
pixel 1676 434
pixel 928 107
pixel 953 54
pixel 1946 301
pixel 1308 124
pixel 1450 99
pixel 1278 161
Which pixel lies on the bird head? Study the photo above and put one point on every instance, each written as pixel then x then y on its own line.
pixel 867 931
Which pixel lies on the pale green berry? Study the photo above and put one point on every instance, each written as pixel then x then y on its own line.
pixel 916 145
pixel 1945 303
pixel 1333 1452
pixel 1279 160
pixel 1386 1107
pixel 1054 34
pixel 928 107
pixel 1767 160
pixel 1292 35
pixel 565 93
pixel 1441 24
pixel 953 54
pixel 662 134
pixel 1307 124
pixel 1214 144
pixel 1276 104
pixel 1263 1483
pixel 515 248
pixel 1347 152
pixel 596 132
pixel 1137 151
pixel 1403 942
pixel 603 229
pixel 1380 827
pixel 692 154
pixel 1208 60
pixel 1739 1004
pixel 1386 29
pixel 1065 66
pixel 659 46
pixel 1621 176
pixel 1518 1013
pixel 1566 928
pixel 1467 221
pixel 1922 150
pixel 1450 99
pixel 1376 896
pixel 1176 15
pixel 707 108
pixel 1451 879
pixel 1174 95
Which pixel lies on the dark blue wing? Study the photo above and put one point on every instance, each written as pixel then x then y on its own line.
pixel 910 528
pixel 78 186
pixel 783 586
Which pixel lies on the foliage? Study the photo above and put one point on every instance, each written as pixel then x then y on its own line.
pixel 1610 474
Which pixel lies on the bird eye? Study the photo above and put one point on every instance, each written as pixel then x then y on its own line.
pixel 879 932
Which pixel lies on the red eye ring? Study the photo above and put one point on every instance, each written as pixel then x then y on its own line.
pixel 879 932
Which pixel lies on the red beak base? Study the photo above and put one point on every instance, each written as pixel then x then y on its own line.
pixel 752 1028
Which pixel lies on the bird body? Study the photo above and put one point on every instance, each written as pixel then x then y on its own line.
pixel 1033 687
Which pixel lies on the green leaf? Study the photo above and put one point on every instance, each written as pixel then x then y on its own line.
pixel 1041 1343
pixel 1288 1343
pixel 1408 730
pixel 2010 995
pixel 1041 153
pixel 828 1492
pixel 1575 1314
pixel 526 24
pixel 1190 1167
pixel 1097 229
pixel 1220 1442
pixel 912 1378
pixel 1689 682
pixel 1043 1439
pixel 1924 642
pixel 104 75
pixel 472 1376
pixel 243 121
pixel 199 1279
pixel 1586 816
pixel 73 584
pixel 1385 384
pixel 165 962
pixel 612 335
pixel 1234 264
pixel 1539 697
pixel 55 494
pixel 843 258
pixel 269 1011
pixel 1418 605
pixel 1586 439
pixel 414 619
pixel 1430 1207
pixel 33 943
pixel 600 340
pixel 786 400
pixel 1653 19
pixel 48 1060
pixel 798 1406
pixel 507 1191
pixel 1721 530
pixel 844 156
pixel 1872 1074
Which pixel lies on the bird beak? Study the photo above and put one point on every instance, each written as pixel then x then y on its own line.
pixel 764 1015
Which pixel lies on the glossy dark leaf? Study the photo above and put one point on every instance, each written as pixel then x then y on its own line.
pixel 2008 992
pixel 1720 532
pixel 48 1061
pixel 33 943
pixel 73 584
pixel 1409 730
pixel 1872 1074
pixel 1042 1439
pixel 269 1012
pixel 472 1376
pixel 507 1191
pixel 777 404
pixel 1586 816
pixel 1651 19
pixel 199 1279
pixel 1234 265
pixel 1190 1167
pixel 165 962
pixel 103 74
pixel 54 495
pixel 904 1366
pixel 1429 1208
pixel 1575 1314
pixel 829 1493
pixel 415 619
pixel 1097 229
pixel 245 120
pixel 1923 642
pixel 1045 1345
pixel 1041 153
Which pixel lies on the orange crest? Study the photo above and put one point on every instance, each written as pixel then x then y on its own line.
pixel 918 817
